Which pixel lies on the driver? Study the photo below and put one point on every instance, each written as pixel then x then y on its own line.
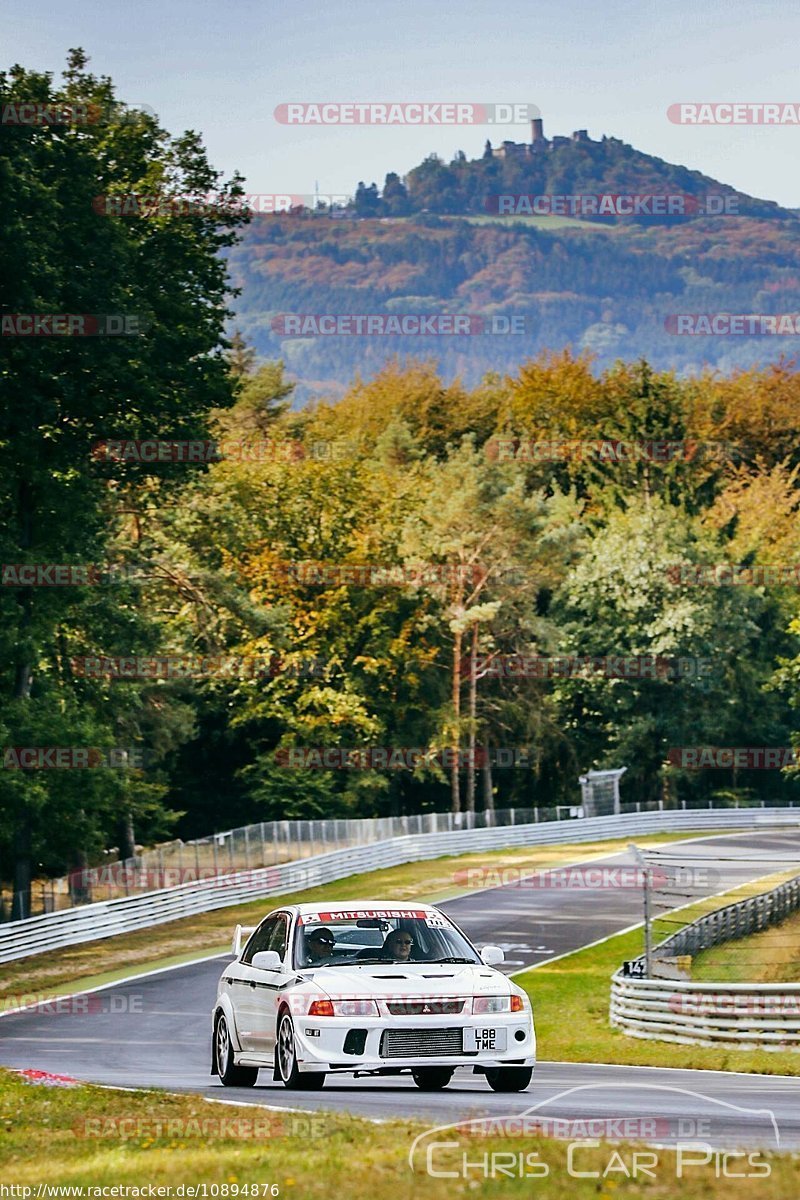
pixel 319 945
pixel 398 945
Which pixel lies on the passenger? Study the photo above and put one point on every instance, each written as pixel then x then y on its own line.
pixel 398 945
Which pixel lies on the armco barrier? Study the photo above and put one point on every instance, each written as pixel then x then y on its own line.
pixel 734 921
pixel 20 939
pixel 747 1015
pixel 742 1015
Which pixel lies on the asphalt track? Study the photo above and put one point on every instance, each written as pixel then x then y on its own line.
pixel 154 1031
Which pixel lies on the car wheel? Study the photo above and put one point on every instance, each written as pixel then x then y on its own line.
pixel 287 1060
pixel 432 1079
pixel 230 1075
pixel 509 1079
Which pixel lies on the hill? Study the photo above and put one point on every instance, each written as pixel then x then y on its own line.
pixel 436 243
pixel 553 170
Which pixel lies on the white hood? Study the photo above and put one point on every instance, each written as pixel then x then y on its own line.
pixel 408 980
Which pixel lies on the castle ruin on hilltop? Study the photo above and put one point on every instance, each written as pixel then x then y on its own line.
pixel 538 144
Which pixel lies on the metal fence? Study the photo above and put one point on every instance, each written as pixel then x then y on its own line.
pixel 744 1015
pixel 264 844
pixel 734 921
pixel 269 843
pixel 90 922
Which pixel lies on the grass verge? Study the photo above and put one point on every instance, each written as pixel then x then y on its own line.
pixel 769 957
pixel 91 964
pixel 92 1138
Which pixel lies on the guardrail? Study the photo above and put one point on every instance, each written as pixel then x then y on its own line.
pixel 263 844
pixel 91 922
pixel 745 1015
pixel 734 921
pixel 742 1015
pixel 268 843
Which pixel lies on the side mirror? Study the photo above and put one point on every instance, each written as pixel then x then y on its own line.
pixel 491 955
pixel 240 935
pixel 267 960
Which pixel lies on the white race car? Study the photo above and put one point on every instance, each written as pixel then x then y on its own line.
pixel 370 988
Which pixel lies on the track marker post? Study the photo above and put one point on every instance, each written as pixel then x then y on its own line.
pixel 648 930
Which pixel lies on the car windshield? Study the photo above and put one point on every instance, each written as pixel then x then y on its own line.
pixel 387 936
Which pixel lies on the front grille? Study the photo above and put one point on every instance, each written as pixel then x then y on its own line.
pixel 424 1008
pixel 421 1043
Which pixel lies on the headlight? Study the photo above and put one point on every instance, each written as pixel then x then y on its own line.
pixel 343 1008
pixel 491 1004
pixel 497 1004
pixel 355 1008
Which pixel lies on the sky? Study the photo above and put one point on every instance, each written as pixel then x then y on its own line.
pixel 612 68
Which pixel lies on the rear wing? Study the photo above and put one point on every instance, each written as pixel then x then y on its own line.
pixel 240 935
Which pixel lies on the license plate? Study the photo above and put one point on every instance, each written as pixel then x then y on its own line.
pixel 484 1039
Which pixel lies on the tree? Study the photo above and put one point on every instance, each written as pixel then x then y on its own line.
pixel 240 356
pixel 496 543
pixel 367 200
pixel 624 600
pixel 395 196
pixel 263 397
pixel 71 252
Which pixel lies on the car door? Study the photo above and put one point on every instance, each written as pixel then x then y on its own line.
pixel 243 984
pixel 265 987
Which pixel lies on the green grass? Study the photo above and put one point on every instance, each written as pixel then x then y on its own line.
pixel 89 1136
pixel 571 999
pixel 769 957
pixel 543 222
pixel 93 963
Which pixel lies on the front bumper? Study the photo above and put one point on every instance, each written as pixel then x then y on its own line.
pixel 321 1043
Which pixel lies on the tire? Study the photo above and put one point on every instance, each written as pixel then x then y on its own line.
pixel 229 1074
pixel 432 1079
pixel 286 1054
pixel 509 1079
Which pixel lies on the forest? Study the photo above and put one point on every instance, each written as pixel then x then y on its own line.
pixel 219 605
pixel 614 289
